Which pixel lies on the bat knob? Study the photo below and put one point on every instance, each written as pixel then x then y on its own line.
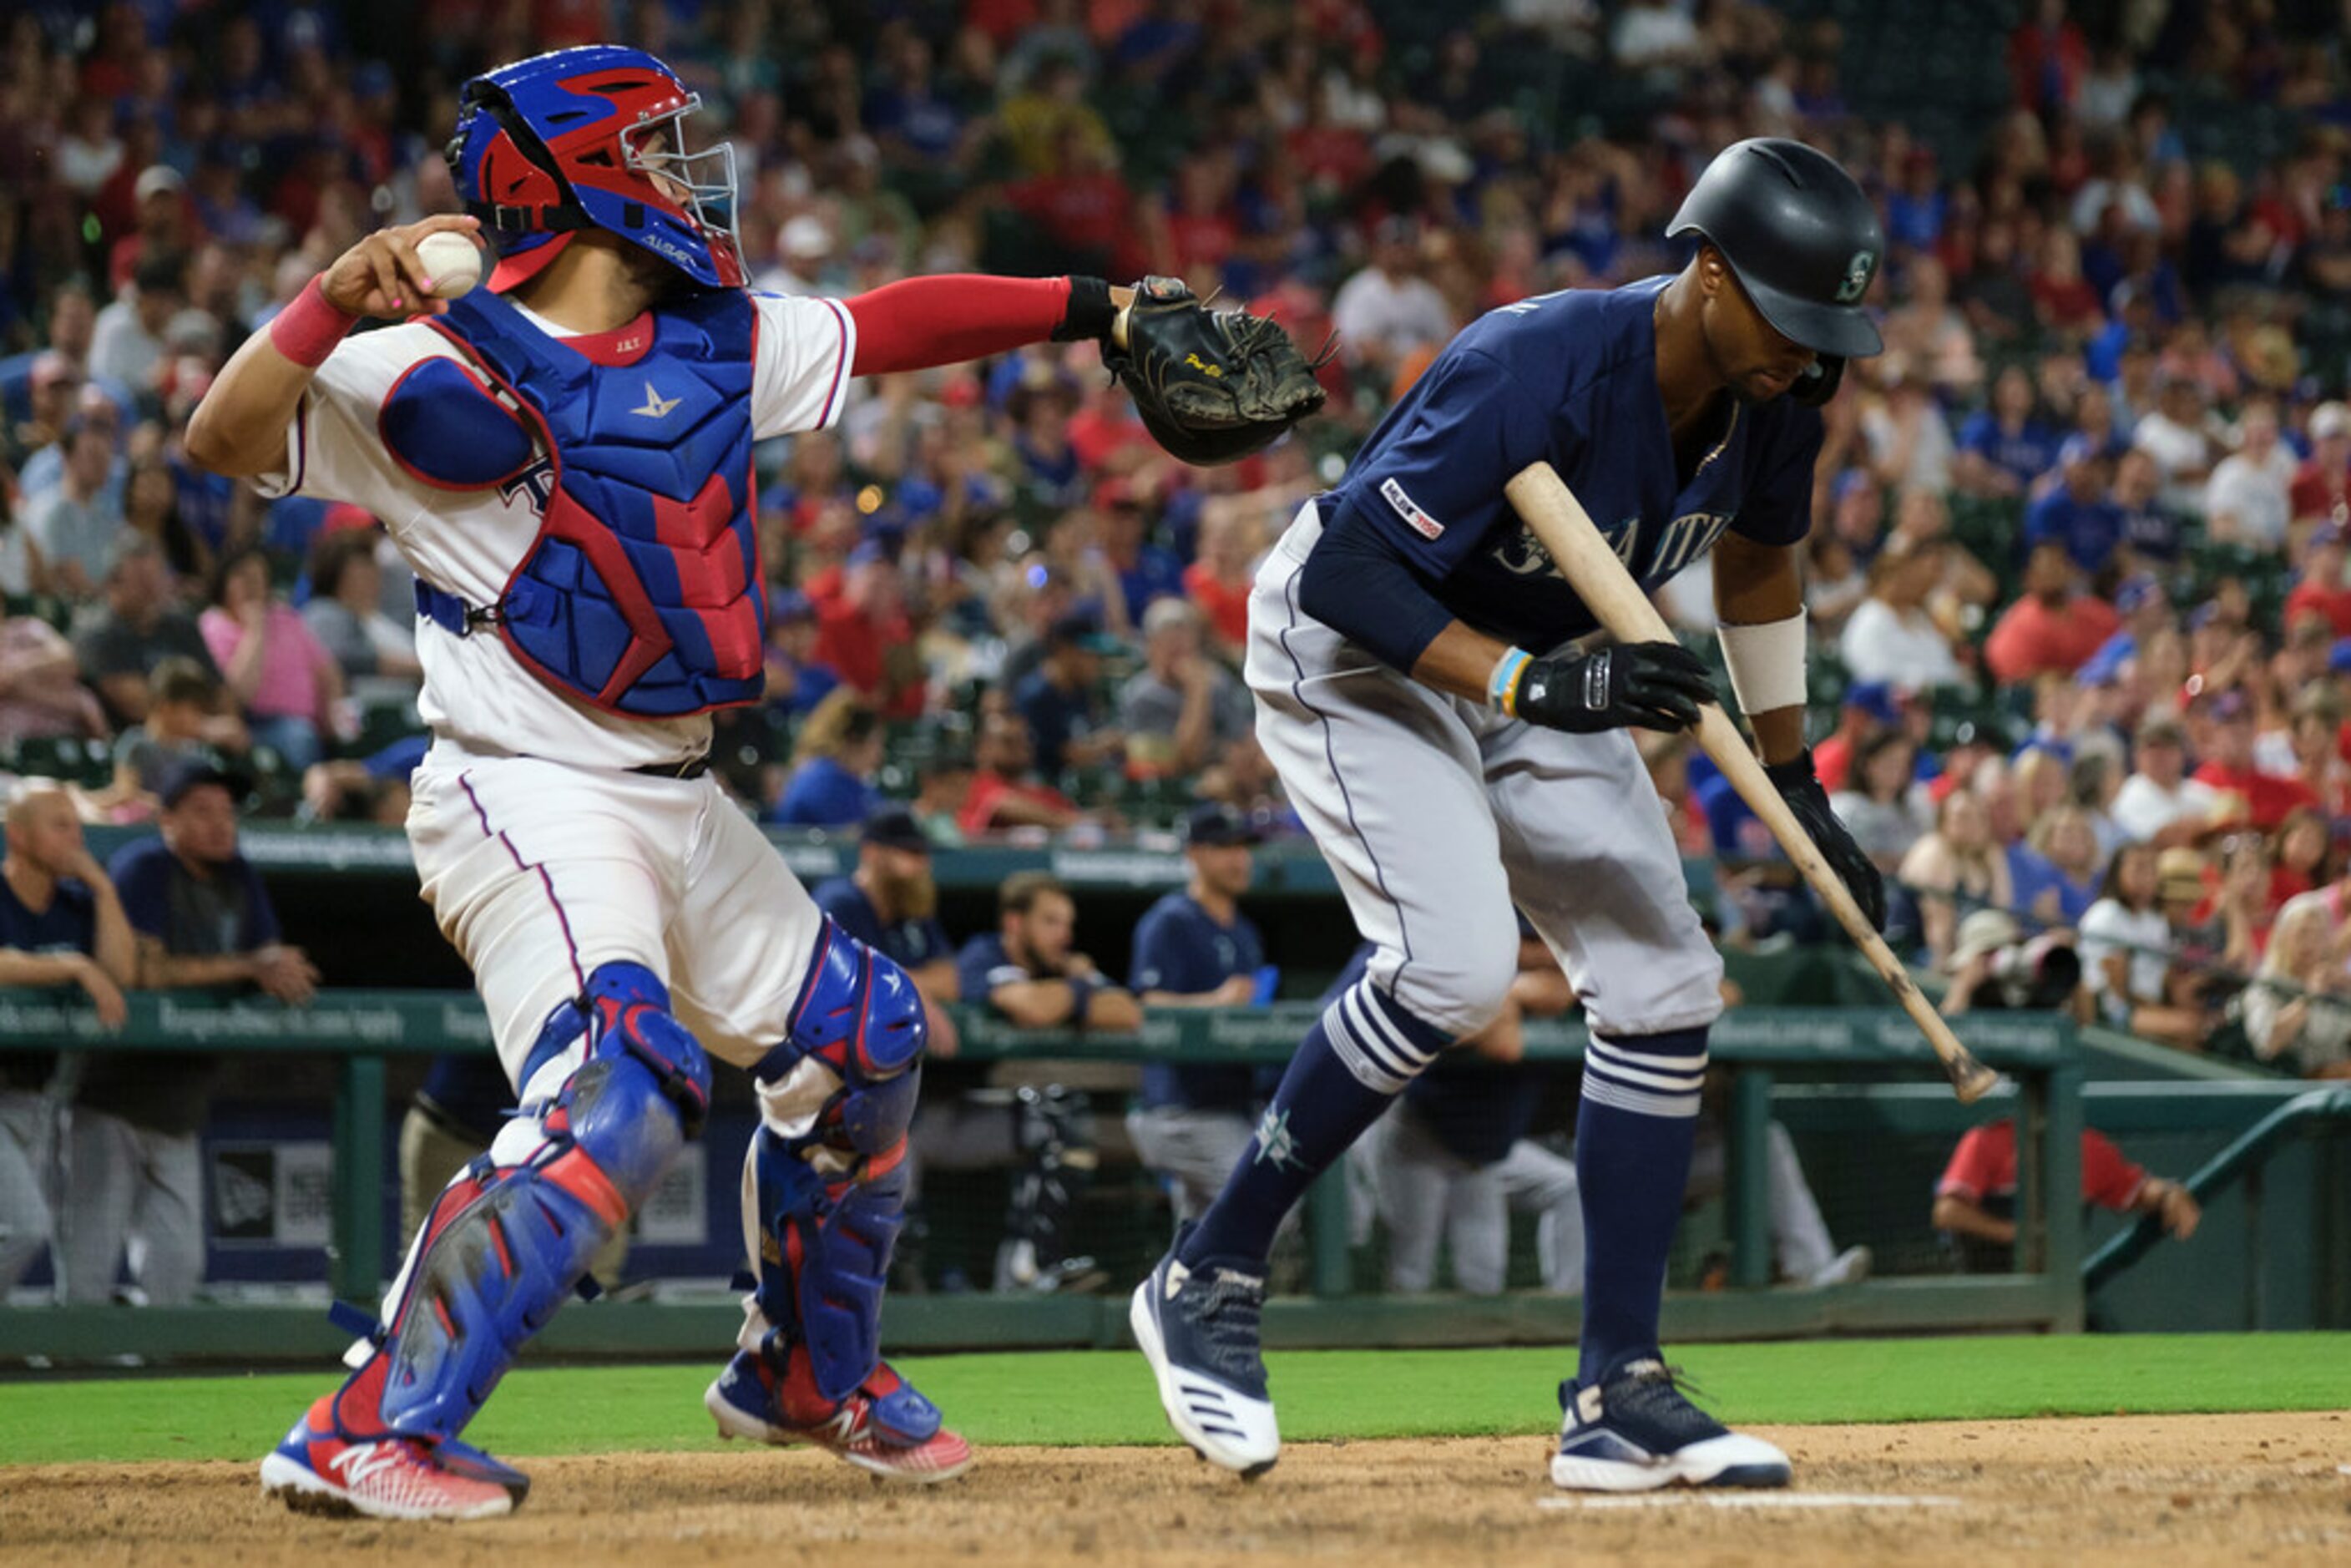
pixel 1971 1079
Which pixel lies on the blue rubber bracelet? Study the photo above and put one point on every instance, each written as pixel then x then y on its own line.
pixel 1502 687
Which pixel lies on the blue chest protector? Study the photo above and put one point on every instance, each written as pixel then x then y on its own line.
pixel 641 594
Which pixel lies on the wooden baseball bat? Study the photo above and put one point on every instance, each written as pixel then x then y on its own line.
pixel 1602 581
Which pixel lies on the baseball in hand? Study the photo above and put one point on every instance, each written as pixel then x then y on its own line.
pixel 452 261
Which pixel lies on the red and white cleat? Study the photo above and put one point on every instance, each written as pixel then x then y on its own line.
pixel 886 1427
pixel 319 1469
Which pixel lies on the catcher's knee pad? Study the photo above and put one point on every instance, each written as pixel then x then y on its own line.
pixel 859 1013
pixel 506 1243
pixel 846 1074
pixel 822 1245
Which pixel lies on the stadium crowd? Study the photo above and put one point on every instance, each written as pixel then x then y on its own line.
pixel 2083 627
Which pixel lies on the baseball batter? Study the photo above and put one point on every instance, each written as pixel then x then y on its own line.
pixel 564 458
pixel 1455 754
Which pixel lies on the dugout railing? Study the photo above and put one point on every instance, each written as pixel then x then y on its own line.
pixel 1756 1048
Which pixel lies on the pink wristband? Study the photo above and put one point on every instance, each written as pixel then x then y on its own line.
pixel 308 331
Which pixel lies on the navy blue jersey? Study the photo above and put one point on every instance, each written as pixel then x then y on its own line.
pixel 984 965
pixel 1569 378
pixel 909 944
pixel 69 924
pixel 1181 947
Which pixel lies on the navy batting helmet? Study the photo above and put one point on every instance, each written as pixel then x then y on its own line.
pixel 1798 235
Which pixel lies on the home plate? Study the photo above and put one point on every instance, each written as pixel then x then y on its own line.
pixel 1749 1499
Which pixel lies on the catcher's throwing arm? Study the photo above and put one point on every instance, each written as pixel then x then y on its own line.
pixel 1559 521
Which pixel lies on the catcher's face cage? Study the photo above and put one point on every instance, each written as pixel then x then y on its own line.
pixel 595 138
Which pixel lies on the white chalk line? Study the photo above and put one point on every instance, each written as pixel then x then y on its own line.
pixel 1750 1500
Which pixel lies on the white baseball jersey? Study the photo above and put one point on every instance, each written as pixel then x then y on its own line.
pixel 469 542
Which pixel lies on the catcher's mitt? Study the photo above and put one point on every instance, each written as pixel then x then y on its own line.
pixel 1211 387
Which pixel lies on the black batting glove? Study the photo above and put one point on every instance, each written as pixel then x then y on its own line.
pixel 1800 789
pixel 1647 686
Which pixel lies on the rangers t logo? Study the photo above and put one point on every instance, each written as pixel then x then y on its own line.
pixel 1408 508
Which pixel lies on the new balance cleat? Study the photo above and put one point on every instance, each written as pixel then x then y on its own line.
pixel 1200 1330
pixel 886 1427
pixel 1633 1430
pixel 322 1469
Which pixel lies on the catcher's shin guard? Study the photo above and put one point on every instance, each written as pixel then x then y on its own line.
pixel 511 1237
pixel 824 1182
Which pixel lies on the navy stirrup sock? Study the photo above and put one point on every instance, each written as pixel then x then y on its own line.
pixel 1632 1137
pixel 1355 1060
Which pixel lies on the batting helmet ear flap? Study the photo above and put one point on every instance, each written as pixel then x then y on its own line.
pixel 1819 382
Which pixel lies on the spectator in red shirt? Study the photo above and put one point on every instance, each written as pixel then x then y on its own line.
pixel 2047 58
pixel 863 635
pixel 1975 1201
pixel 1869 709
pixel 1003 794
pixel 2051 628
pixel 2322 590
pixel 2266 799
pixel 2321 485
pixel 1219 581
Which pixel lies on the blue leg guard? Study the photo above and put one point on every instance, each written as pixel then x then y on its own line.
pixel 825 1184
pixel 509 1239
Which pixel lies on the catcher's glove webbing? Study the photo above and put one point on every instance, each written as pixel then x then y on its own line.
pixel 1212 387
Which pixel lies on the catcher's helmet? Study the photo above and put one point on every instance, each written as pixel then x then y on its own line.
pixel 1800 237
pixel 574 140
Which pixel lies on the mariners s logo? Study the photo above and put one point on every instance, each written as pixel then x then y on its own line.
pixel 1856 277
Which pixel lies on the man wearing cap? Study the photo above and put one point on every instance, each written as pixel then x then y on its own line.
pixel 2159 803
pixel 2321 485
pixel 891 904
pixel 1061 700
pixel 159 196
pixel 2053 626
pixel 199 917
pixel 2077 512
pixel 1195 948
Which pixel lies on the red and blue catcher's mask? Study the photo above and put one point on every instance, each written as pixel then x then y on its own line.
pixel 593 138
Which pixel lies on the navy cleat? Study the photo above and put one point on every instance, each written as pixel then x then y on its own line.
pixel 1634 1431
pixel 1199 1330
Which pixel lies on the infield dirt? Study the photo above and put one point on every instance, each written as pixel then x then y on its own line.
pixel 2175 1488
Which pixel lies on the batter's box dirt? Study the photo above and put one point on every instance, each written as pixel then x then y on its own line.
pixel 2234 1490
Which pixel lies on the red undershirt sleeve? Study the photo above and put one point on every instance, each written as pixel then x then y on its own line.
pixel 919 322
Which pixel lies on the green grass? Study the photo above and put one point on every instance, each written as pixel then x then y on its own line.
pixel 1104 1397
